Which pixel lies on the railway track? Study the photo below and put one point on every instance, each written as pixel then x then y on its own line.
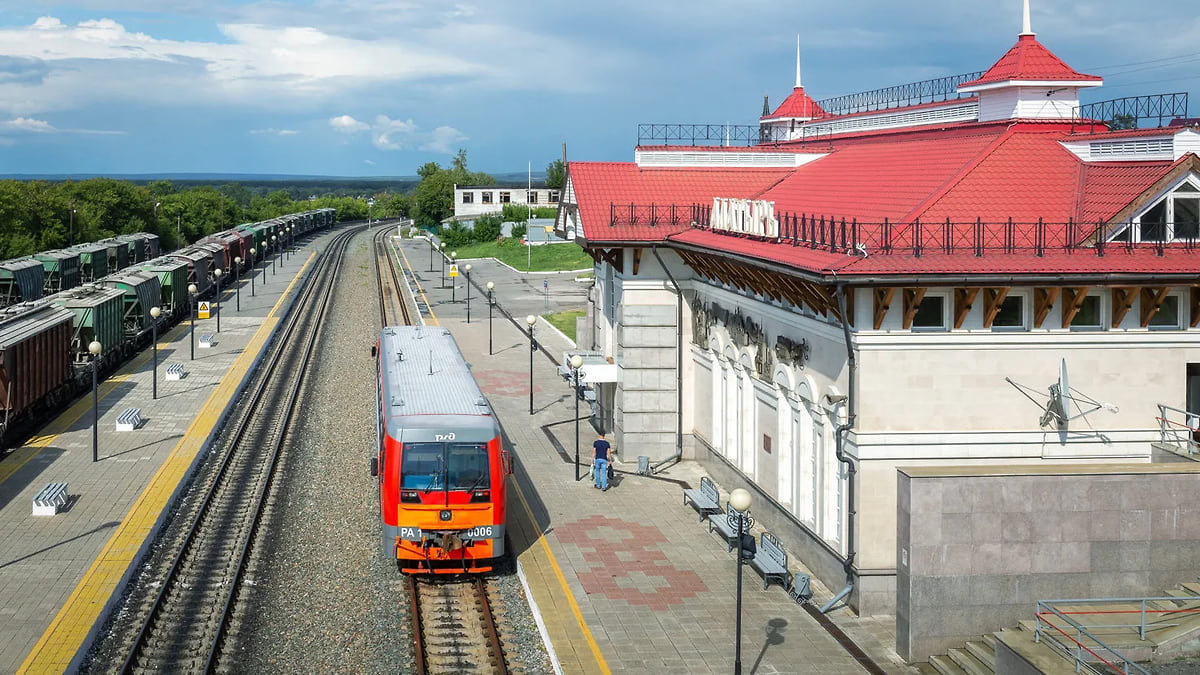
pixel 393 306
pixel 454 627
pixel 187 621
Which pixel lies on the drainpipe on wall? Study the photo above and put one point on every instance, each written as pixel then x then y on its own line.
pixel 840 441
pixel 678 366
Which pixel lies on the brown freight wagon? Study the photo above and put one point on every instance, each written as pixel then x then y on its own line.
pixel 35 358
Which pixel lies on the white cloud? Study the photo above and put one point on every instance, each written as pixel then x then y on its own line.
pixel 389 134
pixel 28 125
pixel 369 162
pixel 444 140
pixel 274 132
pixel 347 124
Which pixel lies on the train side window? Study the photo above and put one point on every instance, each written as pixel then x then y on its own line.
pixel 467 466
pixel 421 466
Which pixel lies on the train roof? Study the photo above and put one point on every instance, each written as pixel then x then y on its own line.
pixel 424 373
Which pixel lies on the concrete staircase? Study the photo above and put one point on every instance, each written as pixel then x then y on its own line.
pixel 1168 637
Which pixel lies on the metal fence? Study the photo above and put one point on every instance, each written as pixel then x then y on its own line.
pixel 898 96
pixel 1129 112
pixel 1178 428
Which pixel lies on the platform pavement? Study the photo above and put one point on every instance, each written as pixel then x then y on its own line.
pixel 57 574
pixel 650 590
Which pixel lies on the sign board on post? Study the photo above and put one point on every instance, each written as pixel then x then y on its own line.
pixel 202 312
pixel 453 271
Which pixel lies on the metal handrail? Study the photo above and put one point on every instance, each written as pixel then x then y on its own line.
pixel 1077 649
pixel 1175 433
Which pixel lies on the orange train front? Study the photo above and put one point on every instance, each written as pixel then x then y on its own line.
pixel 440 461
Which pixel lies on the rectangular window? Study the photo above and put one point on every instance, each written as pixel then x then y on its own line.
pixel 931 313
pixel 1088 317
pixel 467 466
pixel 468 198
pixel 532 197
pixel 505 197
pixel 1167 316
pixel 1011 315
pixel 1187 218
pixel 1154 223
pixel 422 467
pixel 553 196
pixel 487 196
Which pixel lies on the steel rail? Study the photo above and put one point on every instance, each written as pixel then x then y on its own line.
pixel 382 257
pixel 330 263
pixel 418 635
pixel 489 626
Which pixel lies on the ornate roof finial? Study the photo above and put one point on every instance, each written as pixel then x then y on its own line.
pixel 766 106
pixel 1026 26
pixel 798 85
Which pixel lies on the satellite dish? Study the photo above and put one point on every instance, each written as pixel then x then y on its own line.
pixel 1057 410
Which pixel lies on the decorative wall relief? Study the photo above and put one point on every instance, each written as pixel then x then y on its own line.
pixel 793 353
pixel 701 323
pixel 764 361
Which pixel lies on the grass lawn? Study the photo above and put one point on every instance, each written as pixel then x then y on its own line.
pixel 548 258
pixel 565 321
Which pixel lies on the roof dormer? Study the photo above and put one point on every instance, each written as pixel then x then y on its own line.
pixel 1029 82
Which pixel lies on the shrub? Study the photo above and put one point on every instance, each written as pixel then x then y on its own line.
pixel 456 235
pixel 487 228
pixel 518 230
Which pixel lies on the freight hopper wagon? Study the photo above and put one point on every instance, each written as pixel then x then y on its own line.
pixel 440 462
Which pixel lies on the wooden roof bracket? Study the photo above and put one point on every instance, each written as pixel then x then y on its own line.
pixel 1043 302
pixel 992 300
pixel 1122 302
pixel 1072 302
pixel 1194 302
pixel 912 301
pixel 964 298
pixel 637 260
pixel 1152 299
pixel 883 301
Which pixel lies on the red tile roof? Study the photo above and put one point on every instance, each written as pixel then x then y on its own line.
pixel 799 105
pixel 1110 186
pixel 599 185
pixel 1029 60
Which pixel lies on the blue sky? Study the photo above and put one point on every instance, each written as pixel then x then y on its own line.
pixel 378 87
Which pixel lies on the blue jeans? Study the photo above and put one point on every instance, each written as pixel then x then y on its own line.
pixel 601 473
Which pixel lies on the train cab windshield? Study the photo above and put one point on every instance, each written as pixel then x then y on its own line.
pixel 455 467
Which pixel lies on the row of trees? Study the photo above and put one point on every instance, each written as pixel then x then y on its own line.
pixel 40 215
pixel 433 199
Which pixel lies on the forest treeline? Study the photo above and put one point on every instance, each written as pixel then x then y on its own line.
pixel 41 215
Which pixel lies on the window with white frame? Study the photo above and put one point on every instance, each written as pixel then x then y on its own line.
pixel 1090 315
pixel 931 314
pixel 1011 314
pixel 1174 217
pixel 532 197
pixel 487 196
pixel 505 197
pixel 468 197
pixel 1167 316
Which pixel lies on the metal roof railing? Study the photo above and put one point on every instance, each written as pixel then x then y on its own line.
pixel 1130 111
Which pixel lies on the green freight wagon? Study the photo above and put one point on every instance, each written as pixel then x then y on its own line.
pixel 99 315
pixel 143 246
pixel 142 291
pixel 61 270
pixel 118 254
pixel 173 279
pixel 20 281
pixel 256 235
pixel 93 262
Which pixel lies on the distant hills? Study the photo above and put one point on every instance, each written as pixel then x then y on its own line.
pixel 510 178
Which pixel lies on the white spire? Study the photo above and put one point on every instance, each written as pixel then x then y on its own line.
pixel 1026 26
pixel 798 85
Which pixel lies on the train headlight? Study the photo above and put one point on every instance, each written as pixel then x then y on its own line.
pixel 445 515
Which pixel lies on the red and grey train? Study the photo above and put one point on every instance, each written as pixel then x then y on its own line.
pixel 440 461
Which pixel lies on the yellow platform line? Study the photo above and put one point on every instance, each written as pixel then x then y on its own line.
pixel 65 635
pixel 420 290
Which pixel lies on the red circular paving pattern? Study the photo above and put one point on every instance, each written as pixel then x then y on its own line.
pixel 504 382
pixel 626 563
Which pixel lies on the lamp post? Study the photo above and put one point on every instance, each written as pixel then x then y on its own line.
pixel 217 277
pixel 443 249
pixel 576 363
pixel 237 288
pixel 531 319
pixel 739 504
pixel 432 248
pixel 467 269
pixel 155 312
pixel 94 349
pixel 192 295
pixel 453 284
pixel 252 252
pixel 491 286
pixel 274 252
pixel 179 230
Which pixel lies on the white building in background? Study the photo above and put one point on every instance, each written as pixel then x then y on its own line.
pixel 847 294
pixel 477 200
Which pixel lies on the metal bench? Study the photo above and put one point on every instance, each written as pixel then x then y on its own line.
pixel 726 524
pixel 175 371
pixel 707 499
pixel 129 419
pixel 771 561
pixel 206 341
pixel 50 499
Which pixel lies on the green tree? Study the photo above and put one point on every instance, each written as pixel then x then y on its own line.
pixel 556 174
pixel 488 228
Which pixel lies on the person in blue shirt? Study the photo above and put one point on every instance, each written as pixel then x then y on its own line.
pixel 600 459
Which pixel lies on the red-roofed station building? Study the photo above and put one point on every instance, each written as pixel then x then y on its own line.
pixel 808 305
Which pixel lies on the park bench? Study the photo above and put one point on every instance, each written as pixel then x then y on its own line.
pixel 175 371
pixel 707 499
pixel 771 561
pixel 50 499
pixel 206 341
pixel 129 419
pixel 726 524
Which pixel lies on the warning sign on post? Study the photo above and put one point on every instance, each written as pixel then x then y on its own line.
pixel 453 271
pixel 202 312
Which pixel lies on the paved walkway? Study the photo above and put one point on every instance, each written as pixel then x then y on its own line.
pixel 58 574
pixel 650 590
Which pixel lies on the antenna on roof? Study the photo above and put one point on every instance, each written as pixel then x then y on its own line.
pixel 798 85
pixel 1057 410
pixel 1026 25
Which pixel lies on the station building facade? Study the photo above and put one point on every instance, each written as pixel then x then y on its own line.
pixel 852 289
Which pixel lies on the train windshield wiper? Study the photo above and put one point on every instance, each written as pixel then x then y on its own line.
pixel 482 475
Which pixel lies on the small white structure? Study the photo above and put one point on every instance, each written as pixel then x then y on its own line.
pixel 477 200
pixel 50 500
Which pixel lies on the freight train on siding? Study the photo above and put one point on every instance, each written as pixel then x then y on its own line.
pixel 440 461
pixel 54 304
